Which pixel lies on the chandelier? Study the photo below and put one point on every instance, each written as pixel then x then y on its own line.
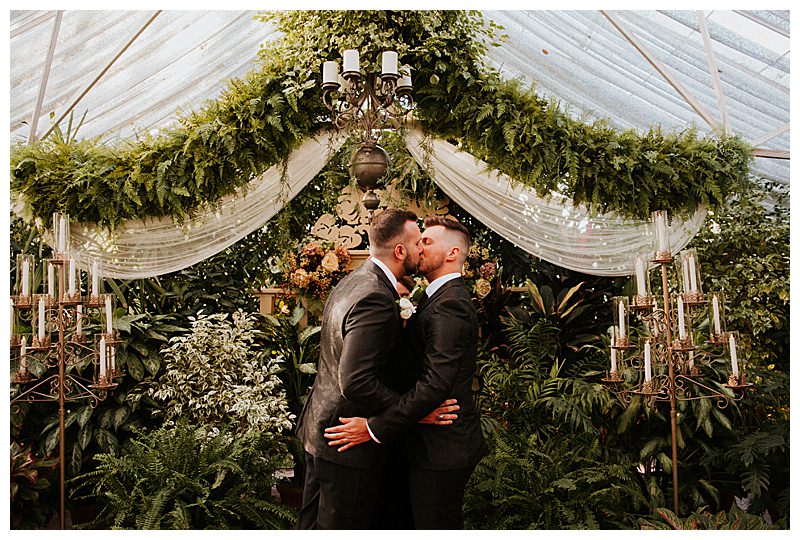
pixel 364 104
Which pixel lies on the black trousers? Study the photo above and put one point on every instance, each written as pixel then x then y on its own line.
pixel 338 497
pixel 394 510
pixel 437 497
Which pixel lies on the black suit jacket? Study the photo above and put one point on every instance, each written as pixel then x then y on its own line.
pixel 442 341
pixel 361 334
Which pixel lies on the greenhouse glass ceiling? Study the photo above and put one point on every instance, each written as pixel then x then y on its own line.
pixel 130 71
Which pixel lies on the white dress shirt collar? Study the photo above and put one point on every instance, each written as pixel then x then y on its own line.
pixel 438 282
pixel 386 271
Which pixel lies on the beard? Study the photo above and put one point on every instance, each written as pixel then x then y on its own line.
pixel 410 266
pixel 430 264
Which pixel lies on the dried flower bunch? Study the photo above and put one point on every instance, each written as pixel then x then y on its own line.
pixel 479 270
pixel 315 268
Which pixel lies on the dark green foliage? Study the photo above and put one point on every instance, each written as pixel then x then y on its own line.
pixel 744 249
pixel 188 478
pixel 528 483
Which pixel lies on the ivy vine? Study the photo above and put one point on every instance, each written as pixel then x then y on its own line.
pixel 262 117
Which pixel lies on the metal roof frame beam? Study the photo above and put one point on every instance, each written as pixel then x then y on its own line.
pixel 714 71
pixel 103 72
pixel 664 72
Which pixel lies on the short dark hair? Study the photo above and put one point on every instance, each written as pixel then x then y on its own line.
pixel 387 227
pixel 448 223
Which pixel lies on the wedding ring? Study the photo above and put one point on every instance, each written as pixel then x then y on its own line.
pixel 439 417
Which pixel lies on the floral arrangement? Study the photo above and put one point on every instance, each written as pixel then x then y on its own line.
pixel 315 268
pixel 480 270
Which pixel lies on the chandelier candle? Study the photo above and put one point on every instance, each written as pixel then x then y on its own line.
pixel 330 73
pixel 95 279
pixel 71 288
pixel 41 318
pixel 648 374
pixel 350 61
pixel 62 234
pixel 102 357
pixel 734 359
pixel 109 329
pixel 681 320
pixel 641 288
pixel 51 280
pixel 26 276
pixel 23 359
pixel 389 63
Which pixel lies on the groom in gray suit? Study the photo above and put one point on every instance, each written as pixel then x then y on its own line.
pixel 359 372
pixel 442 342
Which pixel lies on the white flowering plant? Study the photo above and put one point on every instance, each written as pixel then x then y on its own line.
pixel 216 375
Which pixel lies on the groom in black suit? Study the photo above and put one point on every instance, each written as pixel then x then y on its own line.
pixel 358 373
pixel 442 338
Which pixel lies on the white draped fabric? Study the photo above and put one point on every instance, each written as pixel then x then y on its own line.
pixel 552 229
pixel 146 248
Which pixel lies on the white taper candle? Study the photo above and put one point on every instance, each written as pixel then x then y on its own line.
pixel 26 277
pixel 62 234
pixel 647 367
pixel 102 356
pixel 95 279
pixel 640 279
pixel 23 360
pixel 51 280
pixel 681 320
pixel 734 358
pixel 613 360
pixel 715 310
pixel 692 274
pixel 41 319
pixel 71 277
pixel 109 329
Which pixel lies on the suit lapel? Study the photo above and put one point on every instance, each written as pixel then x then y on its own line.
pixel 426 300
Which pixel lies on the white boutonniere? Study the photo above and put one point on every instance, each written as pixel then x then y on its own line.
pixel 407 308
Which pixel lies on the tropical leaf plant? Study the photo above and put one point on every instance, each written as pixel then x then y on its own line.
pixel 29 480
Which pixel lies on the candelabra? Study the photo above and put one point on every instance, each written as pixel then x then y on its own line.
pixel 638 364
pixel 49 330
pixel 363 104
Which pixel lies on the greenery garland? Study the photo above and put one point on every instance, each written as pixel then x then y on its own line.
pixel 262 117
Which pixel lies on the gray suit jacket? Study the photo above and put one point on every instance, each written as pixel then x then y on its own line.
pixel 361 333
